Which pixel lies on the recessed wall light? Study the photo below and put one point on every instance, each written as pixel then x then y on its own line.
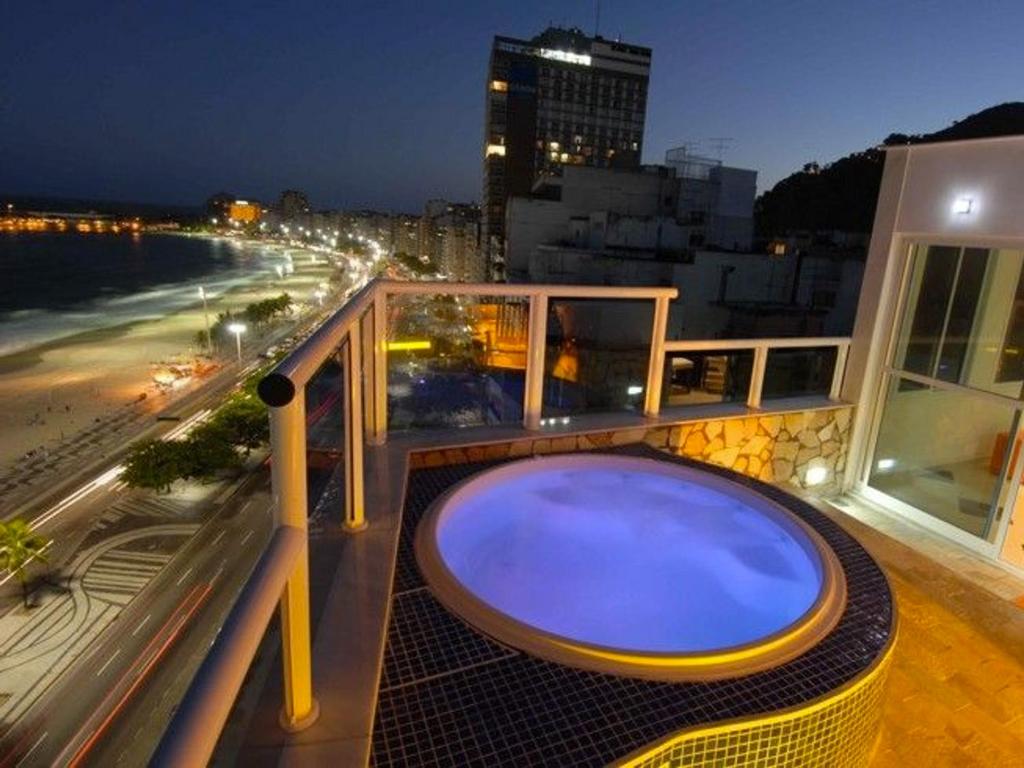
pixel 816 475
pixel 963 205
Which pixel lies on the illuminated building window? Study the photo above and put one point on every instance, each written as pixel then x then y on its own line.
pixel 496 149
pixel 554 146
pixel 499 86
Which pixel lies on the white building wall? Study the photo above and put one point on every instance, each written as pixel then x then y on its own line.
pixel 968 193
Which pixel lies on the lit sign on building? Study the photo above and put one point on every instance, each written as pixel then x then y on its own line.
pixel 567 56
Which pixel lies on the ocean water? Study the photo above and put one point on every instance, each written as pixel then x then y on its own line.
pixel 58 284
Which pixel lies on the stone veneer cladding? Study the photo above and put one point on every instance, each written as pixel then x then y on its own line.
pixel 777 447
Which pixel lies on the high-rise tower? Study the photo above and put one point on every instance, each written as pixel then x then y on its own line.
pixel 560 98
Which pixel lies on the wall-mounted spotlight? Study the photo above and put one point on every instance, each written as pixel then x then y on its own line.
pixel 963 205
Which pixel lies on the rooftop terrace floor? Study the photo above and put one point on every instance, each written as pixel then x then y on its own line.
pixel 956 687
pixel 955 693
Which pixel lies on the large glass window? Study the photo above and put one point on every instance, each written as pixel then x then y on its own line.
pixel 963 318
pixel 944 446
pixel 944 452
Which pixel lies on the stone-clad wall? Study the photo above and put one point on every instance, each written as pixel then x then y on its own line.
pixel 777 448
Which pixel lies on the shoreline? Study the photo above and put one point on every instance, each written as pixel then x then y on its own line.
pixel 66 385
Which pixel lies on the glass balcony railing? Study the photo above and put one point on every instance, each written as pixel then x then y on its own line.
pixel 707 377
pixel 596 356
pixel 455 361
pixel 414 357
pixel 799 372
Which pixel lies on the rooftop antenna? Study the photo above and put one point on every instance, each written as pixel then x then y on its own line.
pixel 719 144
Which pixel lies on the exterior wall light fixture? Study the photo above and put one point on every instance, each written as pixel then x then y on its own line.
pixel 963 205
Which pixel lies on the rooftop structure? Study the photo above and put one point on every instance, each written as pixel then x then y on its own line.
pixel 561 98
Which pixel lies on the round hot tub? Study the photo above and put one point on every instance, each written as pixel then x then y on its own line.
pixel 631 566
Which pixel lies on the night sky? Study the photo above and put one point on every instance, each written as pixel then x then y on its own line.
pixel 381 104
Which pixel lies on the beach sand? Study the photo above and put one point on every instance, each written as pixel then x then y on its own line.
pixel 52 392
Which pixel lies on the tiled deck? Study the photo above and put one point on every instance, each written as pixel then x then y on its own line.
pixel 451 696
pixel 956 688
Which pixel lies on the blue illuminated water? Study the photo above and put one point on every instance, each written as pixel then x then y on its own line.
pixel 645 560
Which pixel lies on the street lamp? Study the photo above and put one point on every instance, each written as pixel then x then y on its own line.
pixel 238 329
pixel 206 318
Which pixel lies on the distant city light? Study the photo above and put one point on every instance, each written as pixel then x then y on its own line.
pixel 238 329
pixel 634 389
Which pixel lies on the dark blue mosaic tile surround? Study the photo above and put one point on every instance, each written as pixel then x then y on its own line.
pixel 451 696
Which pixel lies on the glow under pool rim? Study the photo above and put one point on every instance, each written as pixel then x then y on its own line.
pixel 715 663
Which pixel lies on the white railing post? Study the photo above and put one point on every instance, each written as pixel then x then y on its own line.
pixel 352 367
pixel 380 368
pixel 842 350
pixel 757 376
pixel 288 478
pixel 536 339
pixel 656 364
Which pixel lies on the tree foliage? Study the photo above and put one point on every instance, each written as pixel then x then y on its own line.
pixel 260 312
pixel 842 195
pixel 213 447
pixel 207 452
pixel 20 546
pixel 155 464
pixel 243 422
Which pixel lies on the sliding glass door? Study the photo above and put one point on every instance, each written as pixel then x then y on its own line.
pixel 946 433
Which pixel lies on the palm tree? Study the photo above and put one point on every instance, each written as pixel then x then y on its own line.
pixel 19 546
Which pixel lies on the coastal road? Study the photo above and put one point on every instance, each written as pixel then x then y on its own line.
pixel 151 580
pixel 114 702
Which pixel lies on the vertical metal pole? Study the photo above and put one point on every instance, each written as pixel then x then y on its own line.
pixel 837 374
pixel 757 376
pixel 380 367
pixel 288 475
pixel 366 337
pixel 355 518
pixel 536 338
pixel 206 320
pixel 656 364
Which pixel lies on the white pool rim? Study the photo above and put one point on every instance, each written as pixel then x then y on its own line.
pixel 769 651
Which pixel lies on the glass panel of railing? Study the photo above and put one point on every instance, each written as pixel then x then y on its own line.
pixel 455 361
pixel 698 378
pixel 798 372
pixel 325 441
pixel 596 356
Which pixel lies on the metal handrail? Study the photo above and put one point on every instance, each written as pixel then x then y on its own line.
pixel 193 732
pixel 433 287
pixel 294 371
pixel 713 345
pixel 282 572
